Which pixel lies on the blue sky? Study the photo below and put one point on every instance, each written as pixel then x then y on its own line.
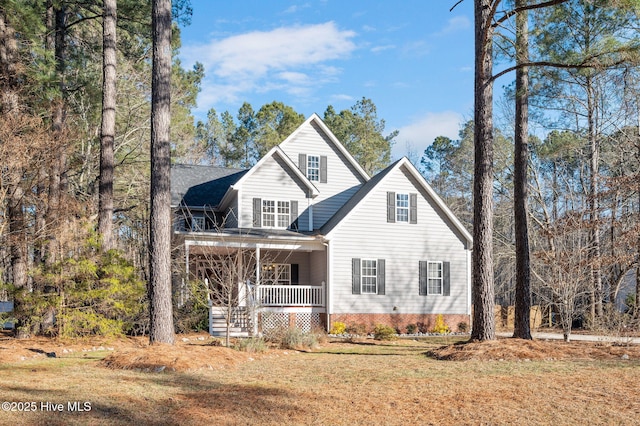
pixel 412 58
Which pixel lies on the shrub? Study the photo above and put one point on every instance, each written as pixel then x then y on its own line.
pixel 463 327
pixel 412 328
pixel 294 338
pixel 422 327
pixel 441 327
pixel 338 328
pixel 251 345
pixel 384 332
pixel 357 329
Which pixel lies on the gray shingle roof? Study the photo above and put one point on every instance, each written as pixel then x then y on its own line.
pixel 199 186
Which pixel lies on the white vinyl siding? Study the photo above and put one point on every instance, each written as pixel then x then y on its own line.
pixel 342 180
pixel 273 182
pixel 366 234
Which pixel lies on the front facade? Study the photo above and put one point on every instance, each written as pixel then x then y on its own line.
pixel 306 238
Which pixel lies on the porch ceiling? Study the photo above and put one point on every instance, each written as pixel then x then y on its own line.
pixel 254 238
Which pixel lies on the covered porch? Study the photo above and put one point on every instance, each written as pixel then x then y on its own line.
pixel 259 281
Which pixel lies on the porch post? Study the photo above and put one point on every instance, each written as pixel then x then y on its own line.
pixel 254 308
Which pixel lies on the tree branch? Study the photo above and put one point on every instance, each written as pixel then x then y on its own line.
pixel 509 14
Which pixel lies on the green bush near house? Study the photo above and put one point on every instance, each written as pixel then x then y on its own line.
pixel 384 332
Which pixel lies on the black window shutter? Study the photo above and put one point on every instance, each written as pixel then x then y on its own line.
pixel 391 207
pixel 257 212
pixel 413 208
pixel 446 279
pixel 381 275
pixel 293 215
pixel 422 277
pixel 355 276
pixel 295 274
pixel 323 169
pixel 302 163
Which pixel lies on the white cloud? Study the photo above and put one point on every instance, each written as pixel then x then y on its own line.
pixel 285 58
pixel 457 23
pixel 424 129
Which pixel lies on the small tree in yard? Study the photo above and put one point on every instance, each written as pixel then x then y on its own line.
pixel 564 276
pixel 229 272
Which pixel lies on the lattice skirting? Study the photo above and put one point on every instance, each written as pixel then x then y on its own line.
pixel 304 321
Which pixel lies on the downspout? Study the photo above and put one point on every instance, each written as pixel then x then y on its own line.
pixel 329 281
pixel 469 285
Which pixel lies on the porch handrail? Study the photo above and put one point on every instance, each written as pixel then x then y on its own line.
pixel 290 295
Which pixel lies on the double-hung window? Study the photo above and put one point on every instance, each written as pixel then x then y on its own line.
pixel 313 168
pixel 276 214
pixel 268 213
pixel 434 278
pixel 402 207
pixel 369 276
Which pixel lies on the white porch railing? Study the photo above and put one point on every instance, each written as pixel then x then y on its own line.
pixel 290 295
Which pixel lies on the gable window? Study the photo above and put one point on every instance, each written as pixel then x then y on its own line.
pixel 434 277
pixel 402 207
pixel 313 168
pixel 275 214
pixel 368 276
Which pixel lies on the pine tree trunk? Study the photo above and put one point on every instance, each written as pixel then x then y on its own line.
pixel 161 326
pixel 483 327
pixel 522 325
pixel 105 187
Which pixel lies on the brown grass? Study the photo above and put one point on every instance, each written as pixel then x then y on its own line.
pixel 342 383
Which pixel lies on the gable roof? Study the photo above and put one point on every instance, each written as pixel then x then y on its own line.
pixel 275 151
pixel 315 119
pixel 366 189
pixel 197 186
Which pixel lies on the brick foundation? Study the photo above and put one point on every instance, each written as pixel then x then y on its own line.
pixel 425 322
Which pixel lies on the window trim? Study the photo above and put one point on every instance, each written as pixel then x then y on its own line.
pixel 439 279
pixel 373 277
pixel 402 212
pixel 276 280
pixel 275 218
pixel 313 168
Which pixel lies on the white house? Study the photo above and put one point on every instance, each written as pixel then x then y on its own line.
pixel 319 241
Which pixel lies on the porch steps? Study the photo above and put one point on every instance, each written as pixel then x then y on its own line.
pixel 218 327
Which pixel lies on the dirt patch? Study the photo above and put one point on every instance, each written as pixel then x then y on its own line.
pixel 519 349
